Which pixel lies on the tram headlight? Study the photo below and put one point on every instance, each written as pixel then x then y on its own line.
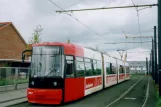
pixel 30 93
pixel 55 83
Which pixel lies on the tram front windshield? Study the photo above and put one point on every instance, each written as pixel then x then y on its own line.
pixel 47 61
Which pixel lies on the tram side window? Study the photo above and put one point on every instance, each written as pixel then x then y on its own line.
pixel 88 69
pixel 94 67
pixel 108 68
pixel 121 69
pixel 80 66
pixel 69 66
pixel 99 67
pixel 114 69
pixel 127 70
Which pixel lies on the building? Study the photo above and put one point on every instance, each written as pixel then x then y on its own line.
pixel 11 45
pixel 137 67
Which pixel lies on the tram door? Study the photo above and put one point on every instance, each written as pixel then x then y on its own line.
pixel 69 67
pixel 74 86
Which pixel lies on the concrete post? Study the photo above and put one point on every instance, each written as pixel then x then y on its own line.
pixel 16 77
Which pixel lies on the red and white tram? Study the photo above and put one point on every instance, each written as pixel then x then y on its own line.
pixel 62 72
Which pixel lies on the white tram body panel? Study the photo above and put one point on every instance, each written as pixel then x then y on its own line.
pixel 109 78
pixel 93 83
pixel 127 73
pixel 121 75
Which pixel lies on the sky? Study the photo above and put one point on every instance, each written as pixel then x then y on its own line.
pixel 104 26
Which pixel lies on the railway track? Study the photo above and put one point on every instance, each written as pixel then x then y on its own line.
pixel 135 96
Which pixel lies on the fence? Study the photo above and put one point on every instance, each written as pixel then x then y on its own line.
pixel 12 78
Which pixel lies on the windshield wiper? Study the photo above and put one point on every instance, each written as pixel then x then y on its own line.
pixel 52 70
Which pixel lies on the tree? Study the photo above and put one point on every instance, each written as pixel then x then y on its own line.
pixel 36 37
pixel 68 41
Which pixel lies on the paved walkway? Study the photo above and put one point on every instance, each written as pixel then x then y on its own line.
pixel 12 97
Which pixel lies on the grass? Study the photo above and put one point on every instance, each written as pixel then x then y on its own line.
pixel 2 82
pixel 21 81
pixel 135 75
pixel 6 82
pixel 158 103
pixel 10 81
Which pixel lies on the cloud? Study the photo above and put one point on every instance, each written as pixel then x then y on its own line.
pixel 108 24
pixel 132 54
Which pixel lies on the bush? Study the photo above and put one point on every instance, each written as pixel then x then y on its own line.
pixel 158 104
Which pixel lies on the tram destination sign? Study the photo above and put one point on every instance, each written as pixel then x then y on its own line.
pixel 50 50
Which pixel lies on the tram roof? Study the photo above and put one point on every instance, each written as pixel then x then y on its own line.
pixel 71 49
